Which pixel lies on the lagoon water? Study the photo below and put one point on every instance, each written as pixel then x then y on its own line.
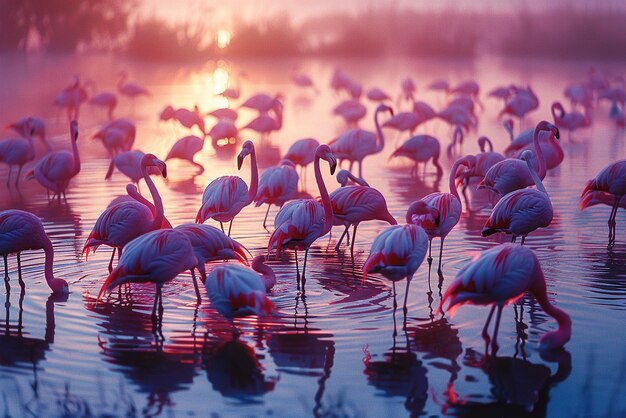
pixel 334 352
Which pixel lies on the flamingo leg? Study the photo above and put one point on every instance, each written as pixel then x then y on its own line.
pixel 297 269
pixel 464 192
pixel 266 213
pixel 222 226
pixel 19 270
pixel 157 296
pixel 19 173
pixel 439 270
pixel 345 231
pixel 306 254
pixel 195 286
pixel 612 221
pixel 494 342
pixel 361 168
pixel 485 334
pixel 513 237
pixel 111 260
pixel 406 296
pixel 64 197
pixel 9 178
pixel 230 226
pixel 6 268
pixel 430 253
pixel 353 240
pixel 395 306
pixel 523 239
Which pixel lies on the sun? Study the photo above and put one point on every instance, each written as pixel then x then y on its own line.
pixel 223 38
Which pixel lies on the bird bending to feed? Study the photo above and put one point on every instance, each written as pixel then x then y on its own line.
pixel 37 124
pixel 522 211
pixel 157 257
pixel 300 222
pixel 212 244
pixel 20 231
pixel 611 180
pixel 356 144
pixel 344 177
pixel 500 276
pixel 226 196
pixel 185 149
pixel 121 223
pixel 396 253
pixel 302 153
pixel 18 151
pixel 277 185
pixel 131 90
pixel 237 290
pixel 420 148
pixel 55 170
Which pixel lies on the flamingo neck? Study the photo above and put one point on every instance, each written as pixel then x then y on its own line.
pixel 266 272
pixel 139 198
pixel 254 177
pixel 556 106
pixel 489 144
pixel 451 184
pixel 76 156
pixel 328 209
pixel 539 153
pixel 158 203
pixel 535 177
pixel 381 138
pixel 564 332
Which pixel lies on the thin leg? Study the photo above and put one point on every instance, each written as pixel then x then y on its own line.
pixel 9 178
pixel 345 231
pixel 485 333
pixel 523 239
pixel 19 270
pixel 230 226
pixel 513 237
pixel 361 168
pixel 111 260
pixel 222 226
pixel 430 253
pixel 297 269
pixel 195 286
pixel 494 342
pixel 64 197
pixel 266 213
pixel 6 268
pixel 156 302
pixel 19 173
pixel 353 240
pixel 464 191
pixel 440 271
pixel 395 306
pixel 406 296
pixel 306 254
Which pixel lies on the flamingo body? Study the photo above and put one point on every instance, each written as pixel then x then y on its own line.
pixel 420 148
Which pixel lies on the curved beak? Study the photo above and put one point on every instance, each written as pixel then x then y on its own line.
pixel 164 172
pixel 239 161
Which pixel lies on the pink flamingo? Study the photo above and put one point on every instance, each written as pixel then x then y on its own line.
pixel 520 103
pixel 300 222
pixel 404 121
pixel 396 253
pixel 37 125
pixel 408 90
pixel 211 244
pixel 420 148
pixel 611 180
pixel 302 153
pixel 18 151
pixel 486 159
pixel 224 132
pixel 356 144
pixel 500 276
pixel 122 223
pixel 20 231
pixel 131 90
pixel 117 135
pixel 55 170
pixel 158 257
pixel 441 85
pixel 277 185
pixel 236 290
pixel 522 211
pixel 501 92
pixel 303 80
pixel 344 177
pixel 552 152
pixel 458 116
pixel 185 149
pixel 448 208
pixel 457 139
pixel 133 194
pixel 106 100
pixel 224 113
pixel 469 88
pixel 226 196
pixel 265 124
pixel 355 204
pixel 129 164
pixel 569 120
pixel 233 93
pixel 187 118
pixel 351 110
pixel 71 98
pixel 377 94
pixel 512 174
pixel 263 102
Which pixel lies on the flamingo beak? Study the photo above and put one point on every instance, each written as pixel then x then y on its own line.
pixel 164 171
pixel 239 161
pixel 557 133
pixel 333 164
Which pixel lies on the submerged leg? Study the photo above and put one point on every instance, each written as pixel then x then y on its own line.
pixel 494 342
pixel 230 226
pixel 157 296
pixel 306 254
pixel 345 231
pixel 111 260
pixel 19 270
pixel 195 286
pixel 266 213
pixel 353 240
pixel 297 269
pixel 6 268
pixel 406 296
pixel 440 271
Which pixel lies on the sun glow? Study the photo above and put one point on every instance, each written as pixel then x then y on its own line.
pixel 223 38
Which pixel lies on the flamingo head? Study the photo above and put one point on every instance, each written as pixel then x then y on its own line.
pixel 384 108
pixel 74 130
pixel 544 125
pixel 508 125
pixel 420 212
pixel 150 160
pixel 527 155
pixel 167 113
pixel 59 286
pixel 131 188
pixel 246 149
pixel 482 143
pixel 323 152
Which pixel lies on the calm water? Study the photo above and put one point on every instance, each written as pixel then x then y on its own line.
pixel 334 353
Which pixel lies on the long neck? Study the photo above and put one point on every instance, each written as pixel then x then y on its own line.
pixel 539 153
pixel 489 144
pixel 328 209
pixel 254 177
pixel 535 177
pixel 557 111
pixel 266 272
pixel 455 167
pixel 49 253
pixel 381 139
pixel 139 198
pixel 158 203
pixel 76 156
pixel 564 332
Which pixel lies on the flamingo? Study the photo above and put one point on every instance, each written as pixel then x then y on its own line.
pixel 356 144
pixel 579 94
pixel 500 276
pixel 520 103
pixel 20 231
pixel 129 164
pixel 303 80
pixel 121 223
pixel 552 152
pixel 55 170
pixel 355 204
pixel 377 94
pixel 522 211
pixel 133 194
pixel 457 139
pixel 185 149
pixel 420 148
pixel 37 124
pixel 226 196
pixel 408 90
pixel 396 253
pixel 224 113
pixel 106 100
pixel 224 132
pixel 302 153
pixel 441 85
pixel 117 135
pixel 187 118
pixel 569 120
pixel 446 206
pixel 340 81
pixel 611 180
pixel 277 185
pixel 265 124
pixel 158 257
pixel 71 98
pixel 300 222
pixel 458 116
pixel 404 121
pixel 131 90
pixel 236 290
pixel 211 244
pixel 344 176
pixel 263 102
pixel 18 151
pixel 512 174
pixel 501 92
pixel 351 110
pixel 469 88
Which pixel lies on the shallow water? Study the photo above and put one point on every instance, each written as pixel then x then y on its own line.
pixel 335 351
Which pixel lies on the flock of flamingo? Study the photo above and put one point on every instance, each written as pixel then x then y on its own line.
pixel 150 249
